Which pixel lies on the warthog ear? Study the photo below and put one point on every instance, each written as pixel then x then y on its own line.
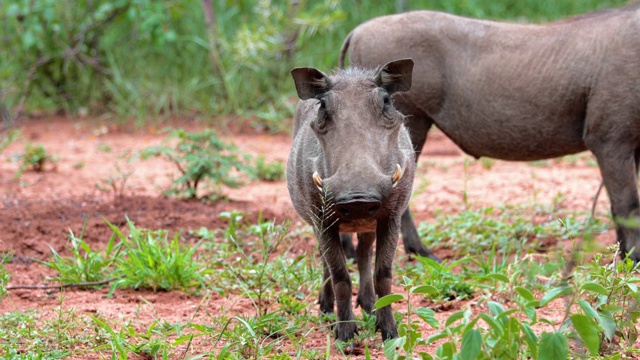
pixel 395 76
pixel 310 82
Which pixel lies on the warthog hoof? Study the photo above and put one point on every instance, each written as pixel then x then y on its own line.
pixel 346 330
pixel 366 301
pixel 631 249
pixel 386 323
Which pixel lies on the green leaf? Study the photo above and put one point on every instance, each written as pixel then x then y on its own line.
pixel 471 345
pixel 553 346
pixel 493 323
pixel 393 347
pixel 587 329
pixel 525 293
pixel 608 325
pixel 453 318
pixel 446 350
pixel 554 294
pixel 531 339
pixel 425 289
pixel 428 316
pixel 437 336
pixel 496 276
pixel 495 308
pixel 388 300
pixel 590 311
pixel 597 288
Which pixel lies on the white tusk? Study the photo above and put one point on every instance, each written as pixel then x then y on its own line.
pixel 317 180
pixel 397 175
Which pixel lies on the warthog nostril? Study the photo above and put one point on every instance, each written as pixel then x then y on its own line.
pixel 357 208
pixel 344 212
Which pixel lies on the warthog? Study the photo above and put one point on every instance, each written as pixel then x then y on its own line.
pixel 521 92
pixel 351 169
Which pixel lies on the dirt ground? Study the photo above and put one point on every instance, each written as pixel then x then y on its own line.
pixel 39 209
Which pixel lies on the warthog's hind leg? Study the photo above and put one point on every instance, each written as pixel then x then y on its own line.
pixel 364 252
pixel 619 174
pixel 411 239
pixel 347 246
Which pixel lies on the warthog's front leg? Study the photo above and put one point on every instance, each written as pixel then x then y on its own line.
pixel 619 174
pixel 387 240
pixel 366 295
pixel 334 260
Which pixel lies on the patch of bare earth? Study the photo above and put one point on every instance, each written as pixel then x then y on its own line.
pixel 39 209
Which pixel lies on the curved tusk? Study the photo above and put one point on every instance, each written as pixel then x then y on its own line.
pixel 397 175
pixel 317 180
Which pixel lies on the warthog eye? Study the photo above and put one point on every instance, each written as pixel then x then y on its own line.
pixel 386 101
pixel 323 116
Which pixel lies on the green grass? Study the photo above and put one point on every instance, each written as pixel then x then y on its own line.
pixel 258 261
pixel 506 228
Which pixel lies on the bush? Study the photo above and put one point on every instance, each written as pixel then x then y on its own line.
pixel 199 157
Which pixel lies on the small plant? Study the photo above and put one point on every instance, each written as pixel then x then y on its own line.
pixel 8 138
pixel 151 260
pixel 4 275
pixel 116 182
pixel 610 301
pixel 409 336
pixel 273 171
pixel 199 157
pixel 256 280
pixel 84 265
pixel 448 284
pixel 35 158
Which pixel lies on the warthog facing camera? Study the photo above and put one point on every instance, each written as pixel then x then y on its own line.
pixel 521 92
pixel 351 169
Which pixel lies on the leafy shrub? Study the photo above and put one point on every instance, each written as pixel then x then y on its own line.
pixel 266 171
pixel 199 157
pixel 35 157
pixel 60 49
pixel 610 302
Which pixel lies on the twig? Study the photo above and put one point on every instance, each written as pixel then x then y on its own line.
pixel 89 283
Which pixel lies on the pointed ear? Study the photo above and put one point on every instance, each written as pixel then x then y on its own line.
pixel 395 76
pixel 310 82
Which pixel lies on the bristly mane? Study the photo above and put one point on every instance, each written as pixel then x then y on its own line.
pixel 355 71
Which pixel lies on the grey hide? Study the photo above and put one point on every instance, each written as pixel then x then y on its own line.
pixel 351 169
pixel 521 92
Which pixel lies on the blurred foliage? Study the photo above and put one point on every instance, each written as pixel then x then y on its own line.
pixel 153 59
pixel 199 157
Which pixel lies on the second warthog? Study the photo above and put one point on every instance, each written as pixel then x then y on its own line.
pixel 522 92
pixel 351 169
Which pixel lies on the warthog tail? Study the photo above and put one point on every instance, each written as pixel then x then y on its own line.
pixel 343 51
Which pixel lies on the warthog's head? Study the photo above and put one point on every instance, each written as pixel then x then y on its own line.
pixel 365 151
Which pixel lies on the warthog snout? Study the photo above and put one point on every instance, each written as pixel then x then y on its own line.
pixel 357 208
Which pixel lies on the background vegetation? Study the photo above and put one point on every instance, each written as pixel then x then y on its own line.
pixel 150 59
